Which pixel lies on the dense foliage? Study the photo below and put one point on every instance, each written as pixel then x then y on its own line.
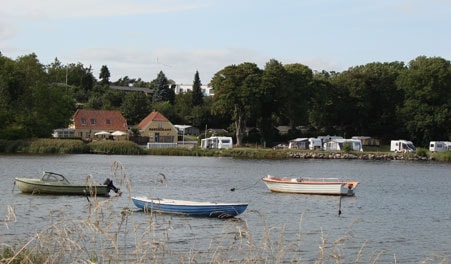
pixel 384 100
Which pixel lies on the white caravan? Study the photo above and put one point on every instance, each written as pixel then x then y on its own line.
pixel 401 145
pixel 438 146
pixel 339 143
pixel 315 143
pixel 305 143
pixel 298 143
pixel 216 143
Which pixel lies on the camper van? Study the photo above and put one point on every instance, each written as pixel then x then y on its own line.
pixel 216 143
pixel 438 146
pixel 401 145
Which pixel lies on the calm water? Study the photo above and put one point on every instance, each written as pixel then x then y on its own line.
pixel 401 211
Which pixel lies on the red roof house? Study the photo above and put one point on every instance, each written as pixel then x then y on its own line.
pixel 89 122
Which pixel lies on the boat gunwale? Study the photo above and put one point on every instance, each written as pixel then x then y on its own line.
pixel 176 202
pixel 181 207
pixel 318 181
pixel 39 182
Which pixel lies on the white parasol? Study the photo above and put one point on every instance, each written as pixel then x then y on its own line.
pixel 102 133
pixel 119 133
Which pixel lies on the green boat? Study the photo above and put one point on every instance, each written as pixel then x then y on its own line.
pixel 54 183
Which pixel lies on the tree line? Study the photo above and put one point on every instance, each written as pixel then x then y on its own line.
pixel 388 100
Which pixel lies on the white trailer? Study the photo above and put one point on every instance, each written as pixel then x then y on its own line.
pixel 439 146
pixel 315 143
pixel 401 145
pixel 216 143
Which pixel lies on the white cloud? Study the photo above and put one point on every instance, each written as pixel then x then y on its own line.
pixel 45 9
pixel 7 30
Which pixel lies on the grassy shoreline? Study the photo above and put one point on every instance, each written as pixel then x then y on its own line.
pixel 76 146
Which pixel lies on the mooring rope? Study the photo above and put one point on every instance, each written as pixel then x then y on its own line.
pixel 247 187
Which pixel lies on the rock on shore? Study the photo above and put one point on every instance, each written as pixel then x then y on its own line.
pixel 369 156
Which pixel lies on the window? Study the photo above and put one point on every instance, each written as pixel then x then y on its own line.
pixel 83 121
pixel 93 121
pixel 108 122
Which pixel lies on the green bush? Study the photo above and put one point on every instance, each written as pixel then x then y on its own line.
pixel 347 147
pixel 421 152
pixel 442 156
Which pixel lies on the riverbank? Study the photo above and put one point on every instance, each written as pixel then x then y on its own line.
pixel 362 156
pixel 75 146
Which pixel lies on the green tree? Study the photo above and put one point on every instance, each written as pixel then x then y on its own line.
pixel 369 98
pixel 234 94
pixel 269 97
pixel 167 109
pixel 197 95
pixel 426 112
pixel 10 86
pixel 162 90
pixel 322 111
pixel 81 81
pixel 296 94
pixel 183 108
pixel 104 75
pixel 112 99
pixel 135 107
pixel 57 72
pixel 34 106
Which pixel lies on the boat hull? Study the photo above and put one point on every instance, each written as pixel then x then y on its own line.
pixel 311 186
pixel 37 186
pixel 209 209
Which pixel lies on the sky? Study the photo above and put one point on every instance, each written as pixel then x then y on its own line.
pixel 140 38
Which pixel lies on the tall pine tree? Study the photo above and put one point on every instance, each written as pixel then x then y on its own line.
pixel 197 95
pixel 161 88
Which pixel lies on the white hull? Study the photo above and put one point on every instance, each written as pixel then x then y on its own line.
pixel 310 186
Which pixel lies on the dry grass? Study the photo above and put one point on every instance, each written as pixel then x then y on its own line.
pixel 109 235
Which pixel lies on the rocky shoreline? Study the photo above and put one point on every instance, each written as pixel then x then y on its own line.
pixel 369 156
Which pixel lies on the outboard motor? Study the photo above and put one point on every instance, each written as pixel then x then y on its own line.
pixel 110 186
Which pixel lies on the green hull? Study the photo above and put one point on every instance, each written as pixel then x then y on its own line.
pixel 37 186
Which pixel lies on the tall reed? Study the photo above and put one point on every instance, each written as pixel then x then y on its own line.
pixel 108 234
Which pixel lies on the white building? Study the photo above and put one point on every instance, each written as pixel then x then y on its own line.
pixel 183 88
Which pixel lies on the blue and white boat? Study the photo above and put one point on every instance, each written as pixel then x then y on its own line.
pixel 209 209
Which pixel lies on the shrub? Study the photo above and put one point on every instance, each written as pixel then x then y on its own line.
pixel 421 152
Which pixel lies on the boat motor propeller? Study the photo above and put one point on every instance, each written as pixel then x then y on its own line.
pixel 110 186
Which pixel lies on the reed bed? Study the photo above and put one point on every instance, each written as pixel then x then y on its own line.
pixel 57 146
pixel 115 147
pixel 44 146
